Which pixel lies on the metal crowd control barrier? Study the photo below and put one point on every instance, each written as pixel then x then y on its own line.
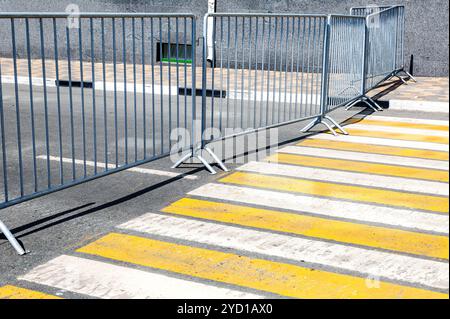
pixel 259 71
pixel 68 116
pixel 379 15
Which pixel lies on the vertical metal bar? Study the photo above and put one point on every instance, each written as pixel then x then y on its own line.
pixel 16 94
pixel 242 73
pixel 116 142
pixel 133 33
pixel 204 79
pixel 274 71
pixel 69 71
pixel 58 102
pixel 185 70
pixel 178 68
pixel 221 75
pixel 105 110
pixel 80 48
pixel 313 74
pixel 213 67
pixel 169 56
pixel 125 97
pixel 297 66
pixel 302 111
pixel 263 59
pixel 193 80
pixel 94 110
pixel 255 72
pixel 144 106
pixel 286 67
pixel 44 76
pixel 281 69
pixel 325 63
pixel 235 70
pixel 228 69
pixel 153 87
pixel 30 83
pixel 268 73
pixel 4 155
pixel 249 73
pixel 161 84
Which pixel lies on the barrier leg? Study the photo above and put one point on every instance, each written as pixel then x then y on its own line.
pixel 310 125
pixel 10 237
pixel 410 76
pixel 316 121
pixel 196 153
pixel 216 159
pixel 336 124
pixel 365 99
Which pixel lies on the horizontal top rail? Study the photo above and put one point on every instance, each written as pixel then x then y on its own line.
pixel 347 16
pixel 23 15
pixel 381 11
pixel 217 14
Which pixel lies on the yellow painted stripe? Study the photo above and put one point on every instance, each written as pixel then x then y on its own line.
pixel 362 167
pixel 346 232
pixel 419 126
pixel 398 136
pixel 350 192
pixel 283 279
pixel 375 149
pixel 13 292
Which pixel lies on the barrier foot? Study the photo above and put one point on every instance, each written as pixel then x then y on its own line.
pixel 196 153
pixel 310 125
pixel 10 237
pixel 401 79
pixel 410 76
pixel 216 159
pixel 318 121
pixel 336 124
pixel 365 99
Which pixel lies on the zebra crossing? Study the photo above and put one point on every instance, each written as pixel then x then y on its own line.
pixel 359 216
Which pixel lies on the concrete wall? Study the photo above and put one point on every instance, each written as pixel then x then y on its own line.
pixel 426 32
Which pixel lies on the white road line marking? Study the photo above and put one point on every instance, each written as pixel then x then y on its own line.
pixel 366 157
pixel 149 89
pixel 406 120
pixel 394 217
pixel 422 106
pixel 133 169
pixel 384 141
pixel 326 175
pixel 104 280
pixel 402 130
pixel 368 262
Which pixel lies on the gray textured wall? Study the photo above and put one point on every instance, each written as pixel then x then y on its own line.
pixel 426 33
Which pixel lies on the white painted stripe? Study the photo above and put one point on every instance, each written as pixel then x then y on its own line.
pixel 402 130
pixel 391 217
pixel 366 157
pixel 111 166
pixel 363 261
pixel 384 141
pixel 421 106
pixel 326 175
pixel 406 120
pixel 24 80
pixel 104 280
pixel 37 81
pixel 310 99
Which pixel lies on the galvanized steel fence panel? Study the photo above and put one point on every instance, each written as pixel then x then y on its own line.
pixel 265 70
pixel 345 61
pixel 384 46
pixel 72 110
